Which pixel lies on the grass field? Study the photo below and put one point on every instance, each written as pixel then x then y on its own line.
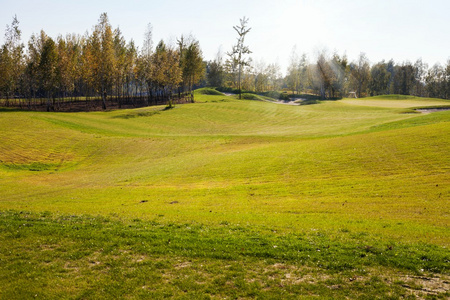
pixel 227 198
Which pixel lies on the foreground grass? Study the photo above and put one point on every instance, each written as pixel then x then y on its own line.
pixel 346 198
pixel 51 256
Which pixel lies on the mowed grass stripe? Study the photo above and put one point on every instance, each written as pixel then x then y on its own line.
pixel 250 175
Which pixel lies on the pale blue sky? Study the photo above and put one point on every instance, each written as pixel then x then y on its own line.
pixel 383 29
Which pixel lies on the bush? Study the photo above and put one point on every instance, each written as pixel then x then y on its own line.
pixel 208 91
pixel 276 95
pixel 227 90
pixel 233 91
pixel 309 102
pixel 249 96
pixel 271 94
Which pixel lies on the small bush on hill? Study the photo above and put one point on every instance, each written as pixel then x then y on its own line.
pixel 276 95
pixel 309 102
pixel 249 96
pixel 271 94
pixel 394 97
pixel 208 91
pixel 228 90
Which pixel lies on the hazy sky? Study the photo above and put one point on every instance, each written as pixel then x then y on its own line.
pixel 383 29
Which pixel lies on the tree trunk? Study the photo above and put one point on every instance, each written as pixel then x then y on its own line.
pixel 149 95
pixel 48 101
pixel 104 99
pixel 239 82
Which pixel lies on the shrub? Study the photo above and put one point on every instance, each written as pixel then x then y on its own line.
pixel 249 96
pixel 276 95
pixel 208 91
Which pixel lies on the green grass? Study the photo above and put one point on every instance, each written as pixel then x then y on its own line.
pixel 394 97
pixel 208 91
pixel 250 96
pixel 96 257
pixel 346 189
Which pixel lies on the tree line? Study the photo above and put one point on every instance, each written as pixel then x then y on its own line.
pixel 98 66
pixel 334 76
pixel 102 67
pixel 328 76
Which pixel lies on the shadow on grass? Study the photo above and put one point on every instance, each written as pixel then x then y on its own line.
pixel 11 109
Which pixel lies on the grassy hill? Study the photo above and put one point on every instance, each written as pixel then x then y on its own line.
pixel 227 198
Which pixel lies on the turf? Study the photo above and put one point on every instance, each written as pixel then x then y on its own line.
pixel 358 174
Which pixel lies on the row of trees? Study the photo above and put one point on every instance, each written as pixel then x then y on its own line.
pixel 103 65
pixel 100 64
pixel 328 76
pixel 257 76
pixel 334 76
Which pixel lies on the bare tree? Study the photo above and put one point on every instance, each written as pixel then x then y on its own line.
pixel 238 52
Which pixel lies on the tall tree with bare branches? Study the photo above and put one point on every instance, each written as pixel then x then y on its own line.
pixel 240 50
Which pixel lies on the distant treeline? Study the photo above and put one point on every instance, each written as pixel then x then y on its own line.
pixel 334 76
pixel 99 65
pixel 102 67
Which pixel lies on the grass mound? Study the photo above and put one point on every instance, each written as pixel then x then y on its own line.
pixel 309 102
pixel 276 95
pixel 251 96
pixel 208 91
pixel 270 95
pixel 248 96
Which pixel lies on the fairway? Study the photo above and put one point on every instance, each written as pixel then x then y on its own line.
pixel 355 171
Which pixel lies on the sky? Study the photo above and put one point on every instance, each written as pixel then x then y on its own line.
pixel 403 30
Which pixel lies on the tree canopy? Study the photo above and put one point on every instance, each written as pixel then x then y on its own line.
pixel 103 66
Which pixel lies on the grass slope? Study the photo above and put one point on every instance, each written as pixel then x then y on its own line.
pixel 360 175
